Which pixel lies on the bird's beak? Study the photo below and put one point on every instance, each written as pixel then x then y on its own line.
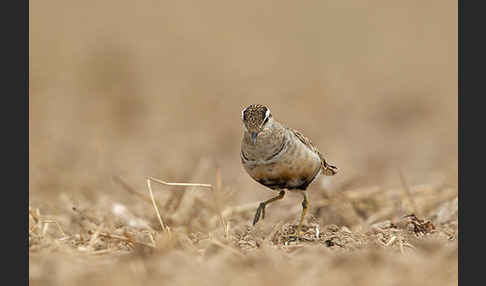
pixel 254 137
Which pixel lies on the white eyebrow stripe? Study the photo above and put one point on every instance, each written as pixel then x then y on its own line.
pixel 267 114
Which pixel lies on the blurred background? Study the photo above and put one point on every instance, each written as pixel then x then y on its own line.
pixel 156 88
pixel 151 88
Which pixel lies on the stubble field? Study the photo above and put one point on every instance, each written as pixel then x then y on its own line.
pixel 120 92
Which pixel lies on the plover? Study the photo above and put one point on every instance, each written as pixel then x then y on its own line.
pixel 279 157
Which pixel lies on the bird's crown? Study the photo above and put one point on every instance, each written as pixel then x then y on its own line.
pixel 255 115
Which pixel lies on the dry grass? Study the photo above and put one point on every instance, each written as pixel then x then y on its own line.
pixel 124 248
pixel 155 89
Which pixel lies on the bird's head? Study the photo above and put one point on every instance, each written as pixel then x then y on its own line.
pixel 256 118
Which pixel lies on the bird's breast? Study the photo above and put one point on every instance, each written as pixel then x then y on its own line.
pixel 294 168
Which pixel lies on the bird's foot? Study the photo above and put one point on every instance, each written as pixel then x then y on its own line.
pixel 299 232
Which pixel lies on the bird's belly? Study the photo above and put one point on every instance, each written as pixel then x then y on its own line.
pixel 287 173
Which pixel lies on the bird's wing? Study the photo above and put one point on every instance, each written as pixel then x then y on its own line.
pixel 327 169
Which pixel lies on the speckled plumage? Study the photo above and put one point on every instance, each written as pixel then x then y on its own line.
pixel 279 157
pixel 253 116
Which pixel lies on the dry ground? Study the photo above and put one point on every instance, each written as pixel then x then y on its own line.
pixel 121 91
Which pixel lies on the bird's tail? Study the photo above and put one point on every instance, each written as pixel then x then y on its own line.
pixel 328 169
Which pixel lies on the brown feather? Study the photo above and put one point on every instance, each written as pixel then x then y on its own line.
pixel 327 169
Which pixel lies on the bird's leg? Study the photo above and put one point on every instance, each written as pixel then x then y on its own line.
pixel 305 206
pixel 261 207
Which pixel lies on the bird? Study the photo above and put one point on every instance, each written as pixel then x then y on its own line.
pixel 279 157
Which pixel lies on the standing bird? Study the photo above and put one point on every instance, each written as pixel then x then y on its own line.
pixel 279 157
